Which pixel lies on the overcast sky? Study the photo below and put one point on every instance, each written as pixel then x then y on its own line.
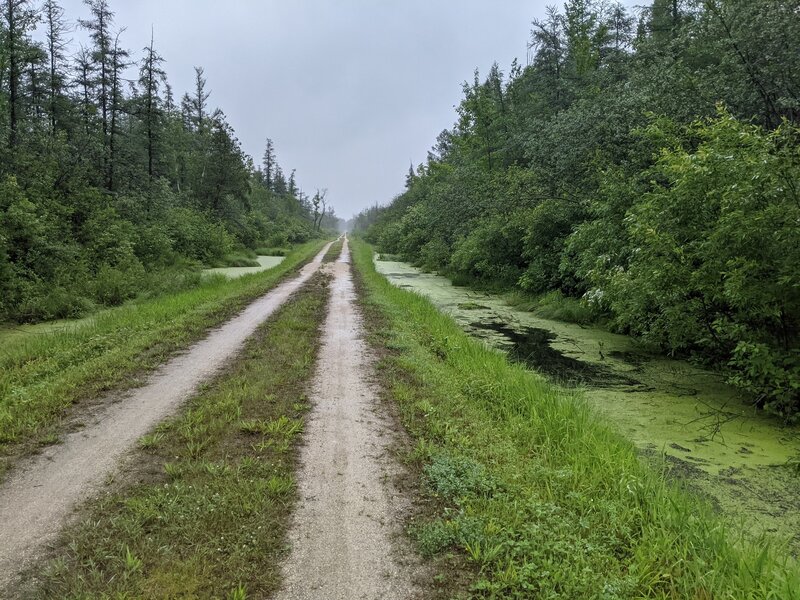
pixel 350 91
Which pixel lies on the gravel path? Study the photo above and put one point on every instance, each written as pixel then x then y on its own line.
pixel 347 541
pixel 42 492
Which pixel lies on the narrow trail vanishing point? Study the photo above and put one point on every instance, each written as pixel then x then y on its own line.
pixel 42 492
pixel 347 540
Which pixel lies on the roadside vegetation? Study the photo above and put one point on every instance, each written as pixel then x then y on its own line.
pixel 42 375
pixel 204 509
pixel 525 484
pixel 111 189
pixel 644 164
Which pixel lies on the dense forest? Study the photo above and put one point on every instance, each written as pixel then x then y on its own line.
pixel 646 163
pixel 110 187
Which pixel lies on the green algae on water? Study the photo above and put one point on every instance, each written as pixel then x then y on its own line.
pixel 685 419
pixel 264 263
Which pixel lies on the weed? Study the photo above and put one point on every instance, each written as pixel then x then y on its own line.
pixel 334 252
pixel 151 441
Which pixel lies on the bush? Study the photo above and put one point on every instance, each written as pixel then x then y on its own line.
pixel 197 236
pixel 113 285
pixel 547 228
pixel 264 251
pixel 492 251
pixel 771 375
pixel 716 249
pixel 43 302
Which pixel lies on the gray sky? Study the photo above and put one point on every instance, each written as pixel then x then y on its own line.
pixel 350 91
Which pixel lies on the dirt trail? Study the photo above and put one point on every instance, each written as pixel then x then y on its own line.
pixel 346 537
pixel 41 493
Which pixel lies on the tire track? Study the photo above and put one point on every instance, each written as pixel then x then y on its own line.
pixel 42 492
pixel 347 540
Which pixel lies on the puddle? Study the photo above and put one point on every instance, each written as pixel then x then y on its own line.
pixel 712 439
pixel 264 263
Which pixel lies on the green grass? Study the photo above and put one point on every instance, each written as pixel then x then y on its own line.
pixel 43 375
pixel 535 492
pixel 211 517
pixel 334 252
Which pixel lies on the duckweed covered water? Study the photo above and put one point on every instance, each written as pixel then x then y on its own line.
pixel 264 263
pixel 710 438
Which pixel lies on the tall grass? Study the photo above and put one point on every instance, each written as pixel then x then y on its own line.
pixel 540 495
pixel 43 375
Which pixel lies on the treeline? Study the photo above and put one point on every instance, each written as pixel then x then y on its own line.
pixel 112 187
pixel 647 164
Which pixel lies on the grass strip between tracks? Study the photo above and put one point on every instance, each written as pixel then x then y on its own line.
pixel 525 485
pixel 43 376
pixel 204 512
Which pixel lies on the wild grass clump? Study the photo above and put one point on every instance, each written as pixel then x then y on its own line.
pixel 42 375
pixel 210 518
pixel 536 492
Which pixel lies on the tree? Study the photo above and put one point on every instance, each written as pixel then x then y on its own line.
pixel 195 106
pixel 665 20
pixel 18 18
pixel 55 34
pixel 319 203
pixel 151 76
pixel 102 56
pixel 269 162
pixel 279 183
pixel 118 64
pixel 85 81
pixel 548 44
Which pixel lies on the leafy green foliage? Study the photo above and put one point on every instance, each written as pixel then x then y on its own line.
pixel 652 175
pixel 103 193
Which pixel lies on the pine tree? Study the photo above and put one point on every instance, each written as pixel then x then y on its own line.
pixel 55 34
pixel 18 18
pixel 195 106
pixel 151 76
pixel 269 163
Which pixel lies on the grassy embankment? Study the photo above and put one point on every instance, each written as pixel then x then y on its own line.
pixel 527 485
pixel 205 511
pixel 43 375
